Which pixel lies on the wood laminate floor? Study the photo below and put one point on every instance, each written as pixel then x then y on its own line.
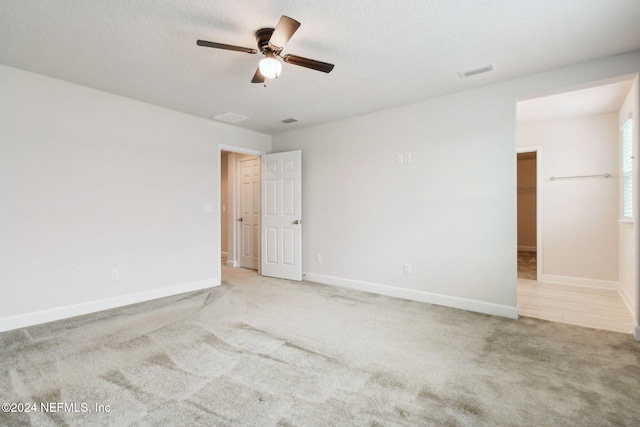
pixel 574 305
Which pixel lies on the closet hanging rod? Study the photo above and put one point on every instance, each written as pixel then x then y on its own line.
pixel 604 175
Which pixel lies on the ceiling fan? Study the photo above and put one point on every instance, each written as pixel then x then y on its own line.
pixel 271 41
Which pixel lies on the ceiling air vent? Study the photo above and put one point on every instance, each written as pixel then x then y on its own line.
pixel 289 120
pixel 475 70
pixel 230 118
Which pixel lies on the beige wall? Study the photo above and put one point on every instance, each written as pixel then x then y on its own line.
pixel 580 230
pixel 92 182
pixel 366 214
pixel 450 213
pixel 628 245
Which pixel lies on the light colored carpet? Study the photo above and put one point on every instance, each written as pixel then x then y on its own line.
pixel 266 352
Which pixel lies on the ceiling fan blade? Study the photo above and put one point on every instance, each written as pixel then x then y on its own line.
pixel 225 46
pixel 283 32
pixel 308 63
pixel 258 77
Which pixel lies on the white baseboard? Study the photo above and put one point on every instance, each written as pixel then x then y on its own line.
pixel 637 333
pixel 58 313
pixel 527 248
pixel 232 264
pixel 411 294
pixel 579 281
pixel 626 299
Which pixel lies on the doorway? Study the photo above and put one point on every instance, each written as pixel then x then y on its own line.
pixel 264 191
pixel 527 220
pixel 582 280
pixel 239 207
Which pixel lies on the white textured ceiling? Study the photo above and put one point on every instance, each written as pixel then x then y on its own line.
pixel 386 53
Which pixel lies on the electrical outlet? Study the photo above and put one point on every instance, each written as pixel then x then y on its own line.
pixel 407 157
pixel 407 268
pixel 400 158
pixel 114 274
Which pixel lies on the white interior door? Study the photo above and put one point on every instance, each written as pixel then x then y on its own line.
pixel 249 212
pixel 281 237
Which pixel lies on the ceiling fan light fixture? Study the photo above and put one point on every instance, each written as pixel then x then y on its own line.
pixel 270 67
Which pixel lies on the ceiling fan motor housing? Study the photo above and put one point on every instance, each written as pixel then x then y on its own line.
pixel 263 35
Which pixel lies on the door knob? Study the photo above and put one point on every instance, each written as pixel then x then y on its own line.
pixel 297 222
pixel 240 219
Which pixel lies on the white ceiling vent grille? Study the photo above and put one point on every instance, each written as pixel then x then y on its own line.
pixel 476 70
pixel 230 118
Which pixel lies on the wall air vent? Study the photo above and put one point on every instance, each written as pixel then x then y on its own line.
pixel 475 70
pixel 230 118
pixel 289 120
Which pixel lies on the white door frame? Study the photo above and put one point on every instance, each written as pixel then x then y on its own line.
pixel 231 223
pixel 539 188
